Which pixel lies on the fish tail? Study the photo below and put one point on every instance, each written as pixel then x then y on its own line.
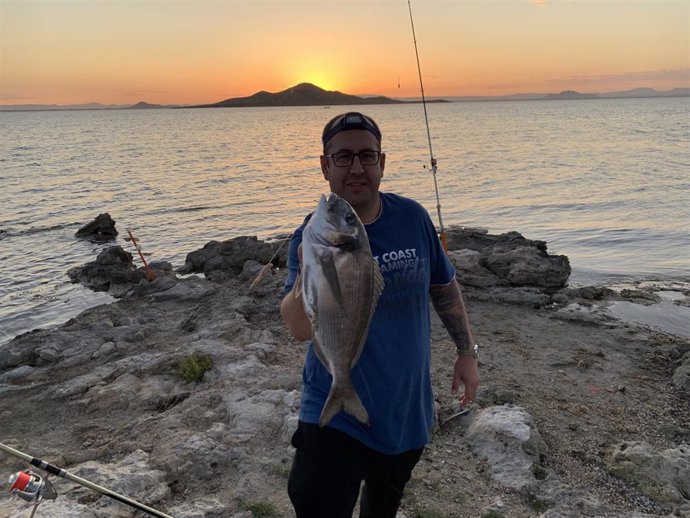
pixel 343 397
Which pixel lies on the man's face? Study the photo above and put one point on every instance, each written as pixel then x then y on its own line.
pixel 358 184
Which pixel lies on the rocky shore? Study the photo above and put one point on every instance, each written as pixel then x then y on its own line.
pixel 183 394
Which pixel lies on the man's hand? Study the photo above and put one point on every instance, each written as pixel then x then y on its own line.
pixel 465 373
pixel 450 307
pixel 292 310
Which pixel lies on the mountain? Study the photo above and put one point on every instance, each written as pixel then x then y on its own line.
pixel 141 105
pixel 648 92
pixel 568 95
pixel 304 94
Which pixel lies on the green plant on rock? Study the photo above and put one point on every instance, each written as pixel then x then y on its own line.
pixel 193 367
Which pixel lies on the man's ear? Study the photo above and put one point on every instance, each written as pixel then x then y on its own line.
pixel 324 166
pixel 382 162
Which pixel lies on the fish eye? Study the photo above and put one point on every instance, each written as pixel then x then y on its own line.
pixel 350 219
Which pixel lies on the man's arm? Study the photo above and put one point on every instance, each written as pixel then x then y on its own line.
pixel 447 300
pixel 294 316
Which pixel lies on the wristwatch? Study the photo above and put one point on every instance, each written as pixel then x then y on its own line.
pixel 472 351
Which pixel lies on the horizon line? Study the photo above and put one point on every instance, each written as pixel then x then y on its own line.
pixel 450 98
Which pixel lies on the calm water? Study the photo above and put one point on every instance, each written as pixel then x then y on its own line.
pixel 605 182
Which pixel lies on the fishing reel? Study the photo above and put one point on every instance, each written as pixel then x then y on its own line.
pixel 31 487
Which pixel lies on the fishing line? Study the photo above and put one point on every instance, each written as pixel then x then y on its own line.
pixel 428 133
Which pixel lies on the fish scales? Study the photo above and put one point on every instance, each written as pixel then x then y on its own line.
pixel 340 284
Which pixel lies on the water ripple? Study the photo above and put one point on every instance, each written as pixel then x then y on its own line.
pixel 603 182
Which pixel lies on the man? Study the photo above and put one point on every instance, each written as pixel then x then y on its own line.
pixel 392 376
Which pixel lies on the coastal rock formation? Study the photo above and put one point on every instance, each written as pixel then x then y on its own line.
pixel 100 229
pixel 681 377
pixel 661 475
pixel 105 393
pixel 114 271
pixel 485 260
pixel 219 260
pixel 507 437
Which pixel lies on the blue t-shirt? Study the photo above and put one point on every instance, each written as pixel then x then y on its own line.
pixel 392 377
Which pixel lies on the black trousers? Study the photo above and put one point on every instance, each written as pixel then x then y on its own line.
pixel 329 467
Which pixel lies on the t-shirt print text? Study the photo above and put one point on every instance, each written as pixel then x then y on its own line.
pixel 396 260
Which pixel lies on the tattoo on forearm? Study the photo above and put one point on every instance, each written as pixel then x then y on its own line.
pixel 450 307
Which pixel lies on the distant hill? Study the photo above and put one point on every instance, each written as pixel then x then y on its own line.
pixel 141 105
pixel 88 106
pixel 647 92
pixel 569 94
pixel 304 94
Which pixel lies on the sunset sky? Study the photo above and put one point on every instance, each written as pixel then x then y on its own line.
pixel 199 51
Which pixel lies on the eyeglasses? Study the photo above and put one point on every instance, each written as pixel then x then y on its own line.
pixel 347 158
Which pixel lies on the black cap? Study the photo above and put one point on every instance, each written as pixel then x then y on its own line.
pixel 350 121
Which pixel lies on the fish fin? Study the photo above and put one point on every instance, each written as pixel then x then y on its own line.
pixel 330 273
pixel 343 397
pixel 379 284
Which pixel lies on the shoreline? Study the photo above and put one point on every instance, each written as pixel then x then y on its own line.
pixel 102 395
pixel 579 278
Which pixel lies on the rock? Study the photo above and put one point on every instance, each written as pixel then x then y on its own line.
pixel 528 266
pixel 199 457
pixel 16 374
pixel 100 229
pixel 250 269
pixel 636 295
pixel 114 271
pixel 466 261
pixel 663 476
pixel 479 239
pixel 132 476
pixel 681 377
pixel 227 258
pixel 113 267
pixel 263 413
pixel 507 438
pixel 485 260
pixel 203 508
pixel 526 296
pixel 180 291
pixel 577 313
pixel 584 292
pixel 568 502
pixel 61 507
pixel 673 431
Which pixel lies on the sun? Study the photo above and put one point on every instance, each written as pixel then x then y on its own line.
pixel 322 77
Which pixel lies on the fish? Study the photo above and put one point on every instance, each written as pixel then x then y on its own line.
pixel 340 286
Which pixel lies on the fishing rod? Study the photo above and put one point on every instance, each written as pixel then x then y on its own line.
pixel 428 133
pixel 150 274
pixel 31 487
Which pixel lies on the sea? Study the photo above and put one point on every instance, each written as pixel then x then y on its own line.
pixel 604 181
